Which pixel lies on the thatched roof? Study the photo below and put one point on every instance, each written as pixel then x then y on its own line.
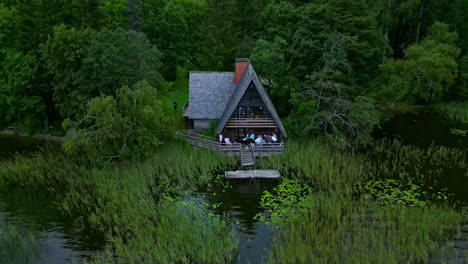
pixel 209 93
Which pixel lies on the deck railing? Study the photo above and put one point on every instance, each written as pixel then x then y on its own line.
pixel 251 123
pixel 202 141
pixel 268 147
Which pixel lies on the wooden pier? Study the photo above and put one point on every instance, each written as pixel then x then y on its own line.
pixel 249 174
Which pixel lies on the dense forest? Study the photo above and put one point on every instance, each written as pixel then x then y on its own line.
pixel 122 187
pixel 329 66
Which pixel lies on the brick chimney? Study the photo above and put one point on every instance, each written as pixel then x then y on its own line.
pixel 241 66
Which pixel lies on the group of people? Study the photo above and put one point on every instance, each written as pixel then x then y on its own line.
pixel 251 139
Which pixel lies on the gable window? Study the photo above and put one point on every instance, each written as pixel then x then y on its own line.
pixel 251 112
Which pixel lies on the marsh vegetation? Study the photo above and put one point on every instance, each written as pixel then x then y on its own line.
pixel 362 182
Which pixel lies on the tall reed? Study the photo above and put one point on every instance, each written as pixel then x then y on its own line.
pixel 457 111
pixel 128 202
pixel 340 227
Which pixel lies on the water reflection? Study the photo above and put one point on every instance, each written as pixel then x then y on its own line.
pixel 36 215
pixel 240 200
pixel 423 126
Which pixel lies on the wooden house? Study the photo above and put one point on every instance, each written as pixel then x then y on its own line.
pixel 236 102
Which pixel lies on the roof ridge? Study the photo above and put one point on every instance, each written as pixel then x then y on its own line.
pixel 210 72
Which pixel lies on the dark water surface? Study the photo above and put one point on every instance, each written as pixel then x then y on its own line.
pixel 424 127
pixel 35 214
pixel 239 199
pixel 9 144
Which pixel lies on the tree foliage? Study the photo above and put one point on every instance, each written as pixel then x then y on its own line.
pixel 428 70
pixel 394 51
pixel 325 108
pixel 127 126
pixel 20 98
pixel 62 54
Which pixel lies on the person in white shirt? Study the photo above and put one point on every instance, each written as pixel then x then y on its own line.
pixel 274 139
pixel 258 140
pixel 227 141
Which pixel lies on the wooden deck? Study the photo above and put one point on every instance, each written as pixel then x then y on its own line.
pixel 202 141
pixel 235 149
pixel 249 174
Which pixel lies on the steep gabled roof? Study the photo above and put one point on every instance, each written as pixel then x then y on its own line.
pixel 250 76
pixel 209 93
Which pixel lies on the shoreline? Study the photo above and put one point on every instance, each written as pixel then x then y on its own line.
pixel 12 131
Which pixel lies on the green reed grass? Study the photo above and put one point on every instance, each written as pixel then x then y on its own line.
pixel 18 245
pixel 340 227
pixel 454 110
pixel 182 234
pixel 127 202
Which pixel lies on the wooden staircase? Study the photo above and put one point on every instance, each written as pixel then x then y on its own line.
pixel 247 157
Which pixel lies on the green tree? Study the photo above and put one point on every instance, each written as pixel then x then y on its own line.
pixel 20 100
pixel 428 70
pixel 115 13
pixel 62 55
pixel 7 26
pixel 129 126
pixel 323 108
pixel 220 38
pixel 270 60
pixel 358 20
pixel 35 19
pixel 175 29
pixel 117 58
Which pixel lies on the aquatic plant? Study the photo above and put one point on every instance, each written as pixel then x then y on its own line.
pixel 458 132
pixel 125 203
pixel 287 199
pixel 334 230
pixel 183 233
pixel 457 111
pixel 18 245
pixel 394 193
pixel 339 226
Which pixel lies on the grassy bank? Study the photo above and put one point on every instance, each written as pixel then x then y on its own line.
pixel 132 204
pixel 178 91
pixel 339 226
pixel 457 111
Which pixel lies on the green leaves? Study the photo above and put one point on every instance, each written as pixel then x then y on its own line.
pixel 393 193
pixel 287 200
pixel 128 126
pixel 428 70
pixel 20 98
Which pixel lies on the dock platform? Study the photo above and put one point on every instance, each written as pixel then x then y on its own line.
pixel 249 174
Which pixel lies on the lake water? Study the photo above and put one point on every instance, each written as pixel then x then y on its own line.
pixel 240 201
pixel 61 242
pixel 9 144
